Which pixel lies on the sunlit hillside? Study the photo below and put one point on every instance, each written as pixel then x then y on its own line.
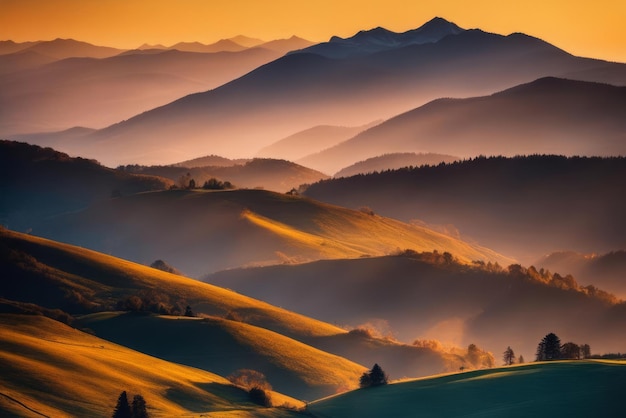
pixel 426 296
pixel 49 369
pixel 199 232
pixel 563 389
pixel 225 346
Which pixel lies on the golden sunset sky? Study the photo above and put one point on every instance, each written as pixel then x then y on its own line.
pixel 585 28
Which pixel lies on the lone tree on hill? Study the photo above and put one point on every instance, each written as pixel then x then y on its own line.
pixel 509 356
pixel 122 409
pixel 139 407
pixel 374 377
pixel 549 348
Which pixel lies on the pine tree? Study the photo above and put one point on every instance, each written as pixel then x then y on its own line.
pixel 139 407
pixel 509 356
pixel 549 348
pixel 122 409
pixel 374 377
pixel 520 360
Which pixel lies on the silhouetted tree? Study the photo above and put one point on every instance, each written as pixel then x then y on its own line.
pixel 192 184
pixel 549 348
pixel 374 377
pixel 122 409
pixel 260 397
pixel 585 351
pixel 509 356
pixel 570 351
pixel 139 407
pixel 188 311
pixel 520 360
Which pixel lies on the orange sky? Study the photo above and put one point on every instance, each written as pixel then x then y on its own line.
pixel 594 29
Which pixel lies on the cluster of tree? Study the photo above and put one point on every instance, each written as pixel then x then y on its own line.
pixel 509 357
pixel 255 383
pixel 215 184
pixel 373 377
pixel 163 266
pixel 550 348
pixel 154 302
pixel 136 409
pixel 515 271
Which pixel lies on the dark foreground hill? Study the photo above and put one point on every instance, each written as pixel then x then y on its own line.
pixel 430 296
pixel 524 207
pixel 38 183
pixel 543 390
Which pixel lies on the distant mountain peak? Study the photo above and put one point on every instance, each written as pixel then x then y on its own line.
pixel 380 39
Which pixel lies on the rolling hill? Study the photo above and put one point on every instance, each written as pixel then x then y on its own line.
pixel 573 389
pixel 202 231
pixel 39 183
pixel 426 296
pixel 270 174
pixel 394 161
pixel 247 114
pixel 50 369
pixel 233 331
pixel 607 271
pixel 546 116
pixel 524 207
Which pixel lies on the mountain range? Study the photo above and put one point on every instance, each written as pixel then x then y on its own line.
pixel 252 111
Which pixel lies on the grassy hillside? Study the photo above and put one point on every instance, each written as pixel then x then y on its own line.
pixel 49 369
pixel 224 346
pixel 524 207
pixel 37 183
pixel 199 231
pixel 425 296
pixel 564 389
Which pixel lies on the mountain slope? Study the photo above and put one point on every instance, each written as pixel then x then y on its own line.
pixel 66 48
pixel 426 296
pixel 525 207
pixel 38 183
pixel 310 141
pixel 98 92
pixel 212 230
pixel 245 115
pixel 394 161
pixel 549 115
pixel 50 369
pixel 573 389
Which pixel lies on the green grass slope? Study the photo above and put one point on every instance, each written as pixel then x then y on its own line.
pixel 561 389
pixel 48 369
pixel 224 346
pixel 199 232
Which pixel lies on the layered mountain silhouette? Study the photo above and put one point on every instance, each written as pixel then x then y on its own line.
pixel 429 296
pixel 98 92
pixel 380 39
pixel 302 90
pixel 310 141
pixel 524 207
pixel 199 232
pixel 546 116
